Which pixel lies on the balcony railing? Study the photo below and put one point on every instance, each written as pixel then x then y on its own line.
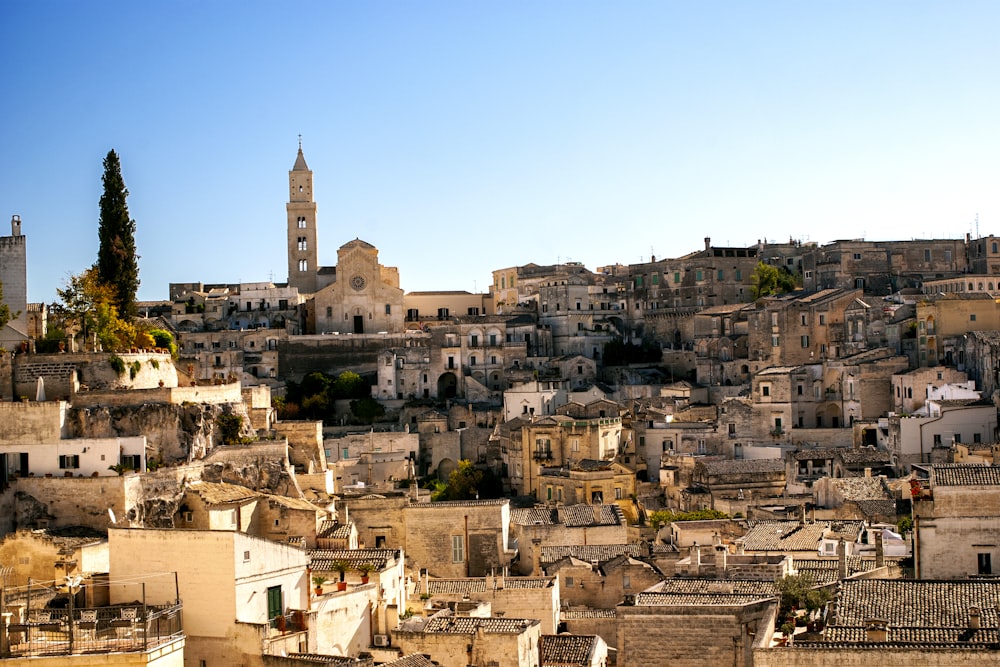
pixel 123 628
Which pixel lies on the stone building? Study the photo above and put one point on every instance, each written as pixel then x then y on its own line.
pixel 979 356
pixel 538 527
pixel 806 327
pixel 565 650
pixel 882 267
pixel 517 597
pixel 983 255
pixel 898 623
pixel 912 389
pixel 691 629
pixel 465 640
pixel 925 438
pixel 944 320
pixel 14 278
pixel 364 296
pixel 586 481
pixel 956 522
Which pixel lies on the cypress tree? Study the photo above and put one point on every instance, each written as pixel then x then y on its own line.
pixel 117 263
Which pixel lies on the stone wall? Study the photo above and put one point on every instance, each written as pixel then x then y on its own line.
pixel 301 355
pixel 32 422
pixel 885 656
pixel 59 502
pixel 207 394
pixel 481 525
pixel 93 371
pixel 689 635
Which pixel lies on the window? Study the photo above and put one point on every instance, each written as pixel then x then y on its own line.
pixel 984 564
pixel 275 604
pixel 857 255
pixel 677 276
pixel 302 222
pixel 303 265
pixel 655 278
pixel 246 554
pixel 739 275
pixel 972 317
pixel 457 549
pixel 927 255
pixel 569 582
pixel 798 390
pixel 805 341
pixel 474 340
pixel 732 429
pixel 775 341
pixel 69 462
pixel 802 319
pixel 618 493
pixel 698 275
pixel 721 275
pixel 777 424
pixel 977 437
pixel 388 309
pixel 937 439
pixel 822 318
pixel 303 243
pixel 765 390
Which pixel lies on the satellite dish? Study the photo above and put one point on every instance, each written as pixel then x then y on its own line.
pixel 111 515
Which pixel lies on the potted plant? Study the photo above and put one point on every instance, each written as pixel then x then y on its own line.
pixel 341 566
pixel 318 581
pixel 365 569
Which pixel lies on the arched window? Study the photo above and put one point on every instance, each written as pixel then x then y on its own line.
pixel 303 265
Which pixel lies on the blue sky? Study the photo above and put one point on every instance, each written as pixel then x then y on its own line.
pixel 462 137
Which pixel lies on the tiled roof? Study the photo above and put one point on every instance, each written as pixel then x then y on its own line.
pixel 220 493
pixel 322 560
pixel 827 570
pixel 682 586
pixel 876 508
pixel 332 529
pixel 861 488
pixel 530 516
pixel 914 635
pixel 818 454
pixel 857 455
pixel 467 625
pixel 587 515
pixel 461 503
pixel 694 599
pixel 527 582
pixel 591 553
pixel 743 466
pixel 456 586
pixel 917 604
pixel 565 650
pixel 783 536
pixel 966 475
pixel 292 503
pixel 412 660
pixel 576 614
pixel 331 660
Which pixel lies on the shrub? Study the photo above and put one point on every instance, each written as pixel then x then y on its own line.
pixel 117 363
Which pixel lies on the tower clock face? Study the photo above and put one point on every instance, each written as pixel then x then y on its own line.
pixel 358 283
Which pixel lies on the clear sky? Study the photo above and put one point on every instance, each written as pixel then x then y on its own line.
pixel 465 136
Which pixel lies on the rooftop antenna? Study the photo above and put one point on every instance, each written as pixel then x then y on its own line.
pixel 300 142
pixel 977 225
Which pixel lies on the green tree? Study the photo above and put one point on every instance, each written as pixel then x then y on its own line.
pixel 350 385
pixel 663 517
pixel 5 314
pixel 799 590
pixel 117 262
pixel 87 307
pixel 768 280
pixel 467 482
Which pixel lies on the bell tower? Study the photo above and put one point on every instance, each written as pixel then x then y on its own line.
pixel 302 250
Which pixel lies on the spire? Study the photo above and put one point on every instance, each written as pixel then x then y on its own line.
pixel 300 160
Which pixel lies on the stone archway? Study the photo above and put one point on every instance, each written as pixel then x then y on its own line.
pixel 447 385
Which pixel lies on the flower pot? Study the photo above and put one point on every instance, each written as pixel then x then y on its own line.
pixel 318 591
pixel 341 585
pixel 364 578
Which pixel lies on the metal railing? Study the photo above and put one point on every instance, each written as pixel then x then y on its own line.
pixel 123 628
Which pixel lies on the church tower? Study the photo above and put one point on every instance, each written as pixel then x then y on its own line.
pixel 302 249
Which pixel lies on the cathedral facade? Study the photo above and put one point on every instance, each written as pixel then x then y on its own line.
pixel 359 295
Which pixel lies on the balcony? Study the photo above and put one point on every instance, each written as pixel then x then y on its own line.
pixel 542 455
pixel 87 630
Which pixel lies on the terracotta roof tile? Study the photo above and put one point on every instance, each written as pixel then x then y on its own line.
pixel 966 475
pixel 592 553
pixel 566 650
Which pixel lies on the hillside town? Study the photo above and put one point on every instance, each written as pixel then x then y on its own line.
pixel 772 455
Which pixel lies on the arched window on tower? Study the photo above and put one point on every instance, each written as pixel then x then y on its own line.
pixel 303 243
pixel 302 222
pixel 303 265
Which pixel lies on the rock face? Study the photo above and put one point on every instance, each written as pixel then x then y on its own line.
pixel 174 433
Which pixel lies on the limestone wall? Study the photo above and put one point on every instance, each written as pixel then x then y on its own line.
pixel 70 501
pixel 143 370
pixel 205 394
pixel 32 422
pixel 865 656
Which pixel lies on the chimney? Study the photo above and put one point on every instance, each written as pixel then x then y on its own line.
pixel 974 618
pixel 536 556
pixel 15 225
pixel 877 630
pixel 868 473
pixel 842 559
pixel 424 582
pixel 879 549
pixel 721 552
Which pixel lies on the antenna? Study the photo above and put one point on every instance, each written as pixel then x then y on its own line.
pixel 977 225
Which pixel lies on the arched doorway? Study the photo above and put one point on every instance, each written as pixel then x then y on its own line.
pixel 447 385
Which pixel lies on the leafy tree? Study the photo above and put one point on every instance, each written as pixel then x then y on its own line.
pixel 767 280
pixel 350 385
pixel 799 590
pixel 229 429
pixel 467 482
pixel 663 517
pixel 5 314
pixel 117 262
pixel 367 409
pixel 164 339
pixel 87 307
